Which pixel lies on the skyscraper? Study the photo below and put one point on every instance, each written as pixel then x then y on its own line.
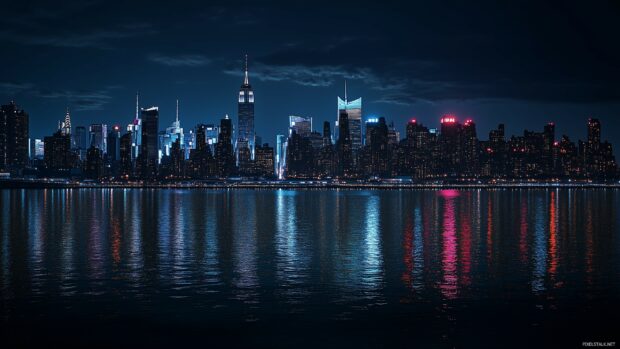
pixel 201 157
pixel 149 149
pixel 245 133
pixel 300 124
pixel 80 142
pixel 450 142
pixel 264 166
pixel 66 124
pixel 280 156
pixel 98 136
pixel 172 133
pixel 126 165
pixel 470 148
pixel 36 149
pixel 344 151
pixel 57 155
pixel 353 109
pixel 93 168
pixel 135 128
pixel 212 133
pixel 113 155
pixel 13 138
pixel 548 148
pixel 113 144
pixel 224 150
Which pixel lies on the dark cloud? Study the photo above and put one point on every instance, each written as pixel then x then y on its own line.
pixel 188 60
pixel 98 39
pixel 82 100
pixel 316 76
pixel 13 88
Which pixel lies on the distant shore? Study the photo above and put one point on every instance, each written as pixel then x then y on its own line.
pixel 299 184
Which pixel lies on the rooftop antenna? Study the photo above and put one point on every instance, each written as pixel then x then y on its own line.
pixel 345 91
pixel 246 81
pixel 137 103
pixel 177 110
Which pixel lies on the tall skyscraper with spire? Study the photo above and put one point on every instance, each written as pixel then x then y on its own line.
pixel 66 124
pixel 245 134
pixel 170 136
pixel 135 127
pixel 353 109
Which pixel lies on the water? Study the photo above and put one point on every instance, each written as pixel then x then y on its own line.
pixel 329 268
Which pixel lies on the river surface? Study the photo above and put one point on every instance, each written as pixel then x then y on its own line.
pixel 309 268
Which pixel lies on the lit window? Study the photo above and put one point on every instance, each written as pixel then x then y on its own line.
pixel 241 97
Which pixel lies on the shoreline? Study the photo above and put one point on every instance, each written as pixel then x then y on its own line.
pixel 59 184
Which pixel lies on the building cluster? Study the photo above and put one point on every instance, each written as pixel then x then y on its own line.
pixel 355 148
pixel 451 152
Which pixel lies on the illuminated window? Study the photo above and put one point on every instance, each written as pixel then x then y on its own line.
pixel 241 98
pixel 251 99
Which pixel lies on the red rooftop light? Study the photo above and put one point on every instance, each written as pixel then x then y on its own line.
pixel 448 119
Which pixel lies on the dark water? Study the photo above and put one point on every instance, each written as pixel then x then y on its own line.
pixel 328 268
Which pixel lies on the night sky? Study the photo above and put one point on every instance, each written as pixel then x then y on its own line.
pixel 522 64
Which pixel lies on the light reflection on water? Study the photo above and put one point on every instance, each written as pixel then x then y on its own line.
pixel 330 254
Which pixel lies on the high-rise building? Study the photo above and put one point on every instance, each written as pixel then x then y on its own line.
pixel 281 156
pixel 113 144
pixel 172 133
pixel 326 160
pixel 225 156
pixel 495 153
pixel 211 133
pixel 548 149
pixel 245 133
pixel 177 160
pixel 113 155
pixel 344 147
pixel 594 132
pixel 299 157
pixel 244 158
pixel 93 168
pixel 135 129
pixel 327 134
pixel 66 124
pixel 450 142
pixel 201 164
pixel 98 136
pixel 301 125
pixel 371 123
pixel 470 149
pixel 417 150
pixel 149 151
pixel 13 138
pixel 264 162
pixel 376 156
pixel 80 142
pixel 353 109
pixel 57 155
pixel 36 149
pixel 598 156
pixel 125 152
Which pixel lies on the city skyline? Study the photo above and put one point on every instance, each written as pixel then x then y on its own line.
pixel 403 59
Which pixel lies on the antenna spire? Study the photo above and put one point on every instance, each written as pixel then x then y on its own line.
pixel 137 103
pixel 177 110
pixel 246 80
pixel 345 90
